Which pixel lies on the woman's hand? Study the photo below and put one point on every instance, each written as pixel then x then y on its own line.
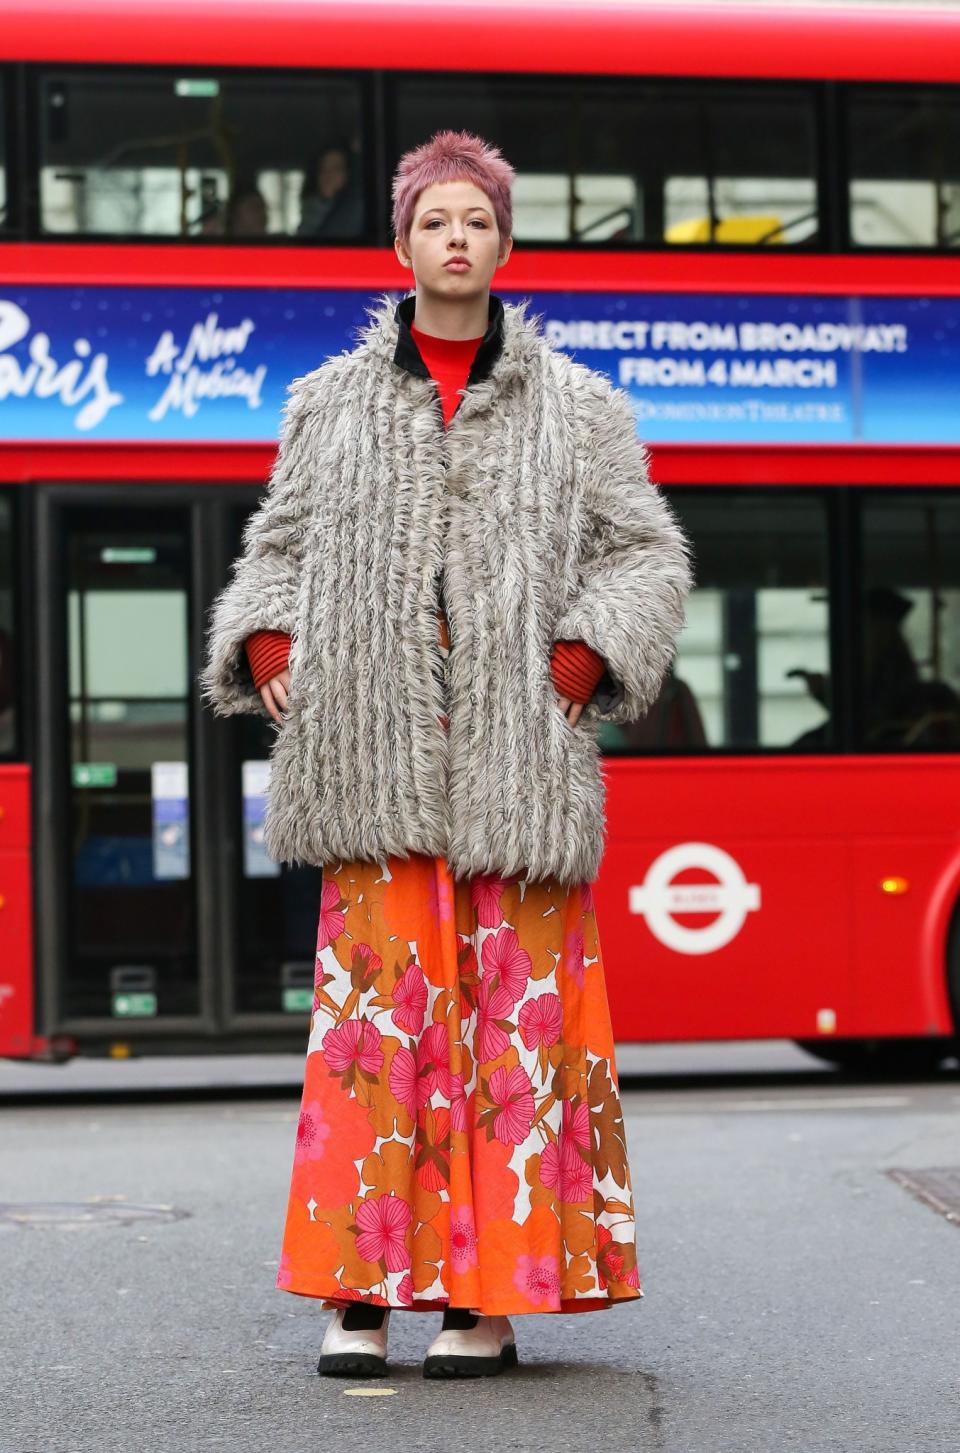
pixel 273 694
pixel 572 710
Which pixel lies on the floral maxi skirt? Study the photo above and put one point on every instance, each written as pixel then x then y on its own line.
pixel 461 1139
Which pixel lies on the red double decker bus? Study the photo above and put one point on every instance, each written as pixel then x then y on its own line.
pixel 749 217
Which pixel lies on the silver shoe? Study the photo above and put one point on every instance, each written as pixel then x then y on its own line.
pixel 483 1351
pixel 354 1354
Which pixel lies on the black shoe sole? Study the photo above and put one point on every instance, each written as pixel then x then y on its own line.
pixel 441 1366
pixel 352 1364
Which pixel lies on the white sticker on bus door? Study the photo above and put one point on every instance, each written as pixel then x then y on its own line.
pixel 255 779
pixel 170 792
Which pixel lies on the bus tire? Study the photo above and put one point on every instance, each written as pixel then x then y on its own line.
pixel 953 974
pixel 913 1056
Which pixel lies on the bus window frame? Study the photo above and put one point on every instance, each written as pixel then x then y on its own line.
pixel 844 581
pixel 830 115
pixel 710 87
pixel 837 635
pixel 21 559
pixel 863 496
pixel 848 93
pixel 10 160
pixel 37 73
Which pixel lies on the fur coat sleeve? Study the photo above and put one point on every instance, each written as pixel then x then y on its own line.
pixel 634 570
pixel 265 578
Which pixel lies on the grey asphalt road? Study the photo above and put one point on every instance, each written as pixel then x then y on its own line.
pixel 797 1297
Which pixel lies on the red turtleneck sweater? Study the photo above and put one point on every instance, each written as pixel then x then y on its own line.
pixel 575 668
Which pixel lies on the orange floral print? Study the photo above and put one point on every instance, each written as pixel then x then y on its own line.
pixel 461 1136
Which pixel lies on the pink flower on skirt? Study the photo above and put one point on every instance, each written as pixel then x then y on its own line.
pixel 381 1224
pixel 330 925
pixel 433 1060
pixel 609 1257
pixel 513 1092
pixel 502 955
pixel 313 1132
pixel 410 997
pixel 458 1103
pixel 576 1122
pixel 463 1239
pixel 540 1021
pixel 537 1278
pixel 405 1291
pixel 486 890
pixel 573 955
pixel 492 1004
pixel 563 1167
pixel 405 1082
pixel 355 1041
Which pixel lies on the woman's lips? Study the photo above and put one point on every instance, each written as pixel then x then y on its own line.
pixel 457 264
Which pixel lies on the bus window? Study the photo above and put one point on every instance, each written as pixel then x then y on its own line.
pixel 4 217
pixel 8 693
pixel 620 162
pixel 738 167
pixel 909 678
pixel 754 654
pixel 904 152
pixel 147 154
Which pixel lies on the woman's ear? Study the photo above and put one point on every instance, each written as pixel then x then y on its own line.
pixel 402 254
pixel 505 251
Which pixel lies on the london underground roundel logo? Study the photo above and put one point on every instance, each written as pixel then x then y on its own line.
pixel 727 899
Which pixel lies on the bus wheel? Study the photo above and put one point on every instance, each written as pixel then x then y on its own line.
pixel 882 1056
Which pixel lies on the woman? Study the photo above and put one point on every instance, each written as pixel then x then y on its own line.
pixel 331 203
pixel 461 1144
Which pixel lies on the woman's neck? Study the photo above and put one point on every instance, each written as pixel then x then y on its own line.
pixel 452 318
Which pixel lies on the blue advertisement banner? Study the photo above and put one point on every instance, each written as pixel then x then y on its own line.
pixel 179 365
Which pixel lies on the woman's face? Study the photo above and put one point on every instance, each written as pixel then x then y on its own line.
pixel 454 220
pixel 332 173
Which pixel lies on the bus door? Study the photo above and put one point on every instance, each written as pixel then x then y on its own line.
pixel 159 917
pixel 275 906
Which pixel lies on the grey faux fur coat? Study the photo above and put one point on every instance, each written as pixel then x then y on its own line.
pixel 537 507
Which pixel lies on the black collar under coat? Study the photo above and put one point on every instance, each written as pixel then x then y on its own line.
pixel 407 354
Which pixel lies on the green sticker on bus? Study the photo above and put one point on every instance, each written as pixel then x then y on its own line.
pixel 94 774
pixel 128 554
pixel 196 86
pixel 297 1001
pixel 134 1006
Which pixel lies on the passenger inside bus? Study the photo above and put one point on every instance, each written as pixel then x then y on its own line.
pixel 673 723
pixel 899 707
pixel 246 212
pixel 331 199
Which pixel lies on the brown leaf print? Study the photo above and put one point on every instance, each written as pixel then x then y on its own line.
pixel 427 1251
pixel 609 1139
pixel 579 1275
pixel 579 1230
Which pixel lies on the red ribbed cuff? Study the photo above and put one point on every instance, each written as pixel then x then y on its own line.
pixel 576 668
pixel 268 653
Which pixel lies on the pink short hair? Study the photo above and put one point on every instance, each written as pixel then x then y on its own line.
pixel 452 156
